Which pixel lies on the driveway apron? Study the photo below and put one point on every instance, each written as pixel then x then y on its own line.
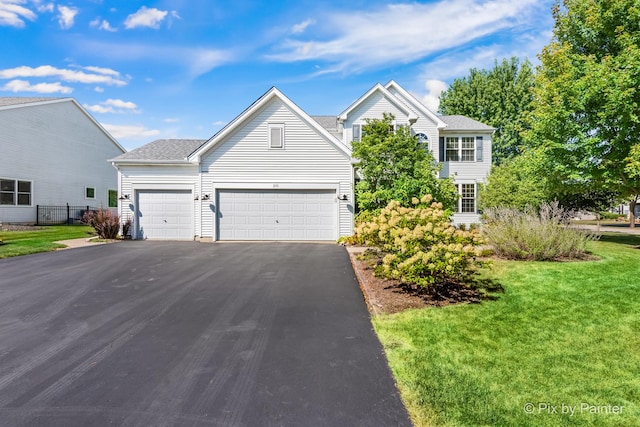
pixel 190 334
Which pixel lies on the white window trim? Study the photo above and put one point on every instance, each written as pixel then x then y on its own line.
pixel 459 149
pixel 94 193
pixel 279 126
pixel 16 192
pixel 458 185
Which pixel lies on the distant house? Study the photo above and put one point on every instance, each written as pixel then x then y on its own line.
pixel 276 173
pixel 53 153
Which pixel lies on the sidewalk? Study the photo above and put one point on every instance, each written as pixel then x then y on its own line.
pixel 83 242
pixel 622 228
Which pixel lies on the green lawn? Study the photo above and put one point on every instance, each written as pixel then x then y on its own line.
pixel 16 243
pixel 561 334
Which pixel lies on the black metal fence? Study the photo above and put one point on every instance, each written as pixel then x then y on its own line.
pixel 51 215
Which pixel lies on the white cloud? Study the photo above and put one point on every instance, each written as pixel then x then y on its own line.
pixel 66 16
pixel 102 24
pixel 434 89
pixel 302 26
pixel 98 89
pixel 145 17
pixel 403 33
pixel 13 14
pixel 171 120
pixel 63 74
pixel 219 123
pixel 44 7
pixel 130 131
pixel 102 70
pixel 115 106
pixel 25 86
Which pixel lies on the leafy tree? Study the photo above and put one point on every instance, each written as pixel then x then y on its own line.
pixel 587 95
pixel 500 97
pixel 395 166
pixel 517 183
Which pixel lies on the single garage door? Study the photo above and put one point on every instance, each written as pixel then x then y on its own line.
pixel 165 215
pixel 277 215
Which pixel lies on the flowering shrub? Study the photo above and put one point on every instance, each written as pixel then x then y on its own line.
pixel 419 244
pixel 106 224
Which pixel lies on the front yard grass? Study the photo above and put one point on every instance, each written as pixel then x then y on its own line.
pixel 563 333
pixel 16 243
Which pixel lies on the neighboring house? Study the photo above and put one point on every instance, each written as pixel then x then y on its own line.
pixel 53 153
pixel 276 173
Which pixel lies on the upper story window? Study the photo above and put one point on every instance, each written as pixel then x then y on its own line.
pixel 15 192
pixel 461 149
pixel 423 140
pixel 89 193
pixel 356 131
pixel 276 135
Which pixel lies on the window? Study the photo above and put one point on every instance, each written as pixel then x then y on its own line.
pixel 467 201
pixel 452 149
pixel 423 141
pixel 357 132
pixel 468 149
pixel 15 192
pixel 276 135
pixel 113 199
pixel 89 193
pixel 461 149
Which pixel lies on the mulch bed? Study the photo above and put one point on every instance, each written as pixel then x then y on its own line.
pixel 392 296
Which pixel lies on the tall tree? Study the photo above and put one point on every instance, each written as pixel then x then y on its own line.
pixel 394 165
pixel 587 95
pixel 500 97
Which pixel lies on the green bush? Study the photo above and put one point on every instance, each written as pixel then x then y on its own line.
pixel 104 222
pixel 419 244
pixel 531 234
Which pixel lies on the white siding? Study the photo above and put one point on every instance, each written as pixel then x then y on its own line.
pixel 59 149
pixel 135 178
pixel 308 160
pixel 373 107
pixel 424 124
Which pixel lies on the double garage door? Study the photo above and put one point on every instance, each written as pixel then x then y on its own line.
pixel 277 215
pixel 242 215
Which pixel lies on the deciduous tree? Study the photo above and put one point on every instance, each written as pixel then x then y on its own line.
pixel 394 165
pixel 587 95
pixel 500 97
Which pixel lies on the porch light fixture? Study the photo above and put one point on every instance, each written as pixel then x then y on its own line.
pixel 343 197
pixel 205 197
pixel 124 197
pixel 196 198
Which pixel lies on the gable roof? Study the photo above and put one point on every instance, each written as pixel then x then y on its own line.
pixel 8 103
pixel 416 104
pixel 462 123
pixel 260 103
pixel 330 123
pixel 388 95
pixel 161 151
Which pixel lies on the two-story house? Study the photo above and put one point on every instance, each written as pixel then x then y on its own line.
pixel 276 173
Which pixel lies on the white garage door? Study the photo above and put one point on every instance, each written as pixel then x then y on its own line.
pixel 165 215
pixel 277 215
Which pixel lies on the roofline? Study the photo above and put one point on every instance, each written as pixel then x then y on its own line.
pixel 77 104
pixel 489 130
pixel 440 124
pixel 256 106
pixel 377 87
pixel 185 162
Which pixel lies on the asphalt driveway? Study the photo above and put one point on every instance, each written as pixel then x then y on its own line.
pixel 190 334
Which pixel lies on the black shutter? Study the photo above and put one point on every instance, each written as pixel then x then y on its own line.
pixel 441 149
pixel 478 148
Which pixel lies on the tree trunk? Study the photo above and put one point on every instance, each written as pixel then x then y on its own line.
pixel 632 212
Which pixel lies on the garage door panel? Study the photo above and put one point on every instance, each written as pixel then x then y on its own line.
pixel 165 214
pixel 277 215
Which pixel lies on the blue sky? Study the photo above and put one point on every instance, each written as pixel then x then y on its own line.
pixel 184 68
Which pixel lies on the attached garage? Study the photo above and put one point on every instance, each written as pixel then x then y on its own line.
pixel 277 215
pixel 165 214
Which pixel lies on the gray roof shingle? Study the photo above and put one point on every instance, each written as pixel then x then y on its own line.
pixel 459 123
pixel 6 101
pixel 163 150
pixel 330 123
